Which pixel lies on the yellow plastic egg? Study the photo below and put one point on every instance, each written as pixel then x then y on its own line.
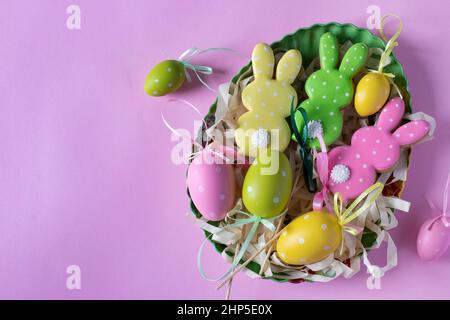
pixel 309 238
pixel 267 184
pixel 372 93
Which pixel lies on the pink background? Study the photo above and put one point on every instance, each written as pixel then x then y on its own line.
pixel 85 170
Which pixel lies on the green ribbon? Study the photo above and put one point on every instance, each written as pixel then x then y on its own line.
pixel 255 220
pixel 305 151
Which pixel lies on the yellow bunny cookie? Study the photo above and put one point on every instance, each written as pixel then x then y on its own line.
pixel 268 101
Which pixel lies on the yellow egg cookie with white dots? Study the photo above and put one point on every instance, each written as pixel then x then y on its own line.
pixel 309 238
pixel 268 101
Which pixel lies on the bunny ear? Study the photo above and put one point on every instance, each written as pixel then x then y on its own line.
pixel 411 132
pixel 391 115
pixel 328 51
pixel 354 59
pixel 289 66
pixel 263 61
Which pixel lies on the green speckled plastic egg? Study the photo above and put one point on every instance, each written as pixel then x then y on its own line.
pixel 267 185
pixel 166 77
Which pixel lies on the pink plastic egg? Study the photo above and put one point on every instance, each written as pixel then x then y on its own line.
pixel 433 239
pixel 212 185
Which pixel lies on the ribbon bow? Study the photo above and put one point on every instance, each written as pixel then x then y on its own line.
pixel 390 46
pixel 347 216
pixel 190 53
pixel 305 151
pixel 256 220
pixel 321 197
pixel 444 216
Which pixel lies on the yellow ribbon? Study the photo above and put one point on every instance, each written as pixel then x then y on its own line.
pixel 390 45
pixel 345 217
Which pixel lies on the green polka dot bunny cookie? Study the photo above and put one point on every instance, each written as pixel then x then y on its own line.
pixel 330 89
pixel 268 101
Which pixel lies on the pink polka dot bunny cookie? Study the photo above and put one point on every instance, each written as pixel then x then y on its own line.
pixel 373 149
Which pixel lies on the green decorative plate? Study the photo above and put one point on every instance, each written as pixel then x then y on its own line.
pixel 307 41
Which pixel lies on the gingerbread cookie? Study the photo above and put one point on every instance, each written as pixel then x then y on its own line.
pixel 373 149
pixel 330 89
pixel 268 101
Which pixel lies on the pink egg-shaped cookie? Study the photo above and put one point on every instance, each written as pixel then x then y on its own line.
pixel 433 239
pixel 212 185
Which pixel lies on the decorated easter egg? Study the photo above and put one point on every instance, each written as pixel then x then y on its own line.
pixel 166 77
pixel 267 184
pixel 433 239
pixel 309 238
pixel 212 185
pixel 372 93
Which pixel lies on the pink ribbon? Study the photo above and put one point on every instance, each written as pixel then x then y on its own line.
pixel 222 151
pixel 444 216
pixel 321 197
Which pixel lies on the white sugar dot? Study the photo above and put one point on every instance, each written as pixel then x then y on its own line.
pixel 346 60
pixel 339 158
pixel 396 105
pixel 312 89
pixel 275 94
pixel 398 135
pixel 416 123
pixel 282 255
pixel 301 241
pixel 331 113
pixel 285 65
pixel 391 146
pixel 377 141
pixel 249 189
pixel 334 100
pixel 270 65
pixel 347 187
pixel 201 188
pixel 314 76
pixel 318 108
pixel 272 114
pixel 169 69
pixel 374 152
pixel 285 233
pixel 263 104
pixel 155 92
pixel 170 85
pixel 276 199
pixel 326 248
pixel 389 159
pixel 324 97
pixel 380 128
pixel 391 120
pixel 352 69
pixel 268 83
pixel 283 173
pixel 365 166
pixel 156 80
pixel 340 76
pixel 335 128
pixel 361 180
pixel 256 116
pixel 266 48
pixel 324 226
pixel 363 140
pixel 411 135
pixel 306 217
pixel 259 90
pixel 347 94
pixel 324 83
pixel 358 156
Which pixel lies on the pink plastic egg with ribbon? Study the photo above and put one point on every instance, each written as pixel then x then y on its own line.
pixel 212 185
pixel 433 239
